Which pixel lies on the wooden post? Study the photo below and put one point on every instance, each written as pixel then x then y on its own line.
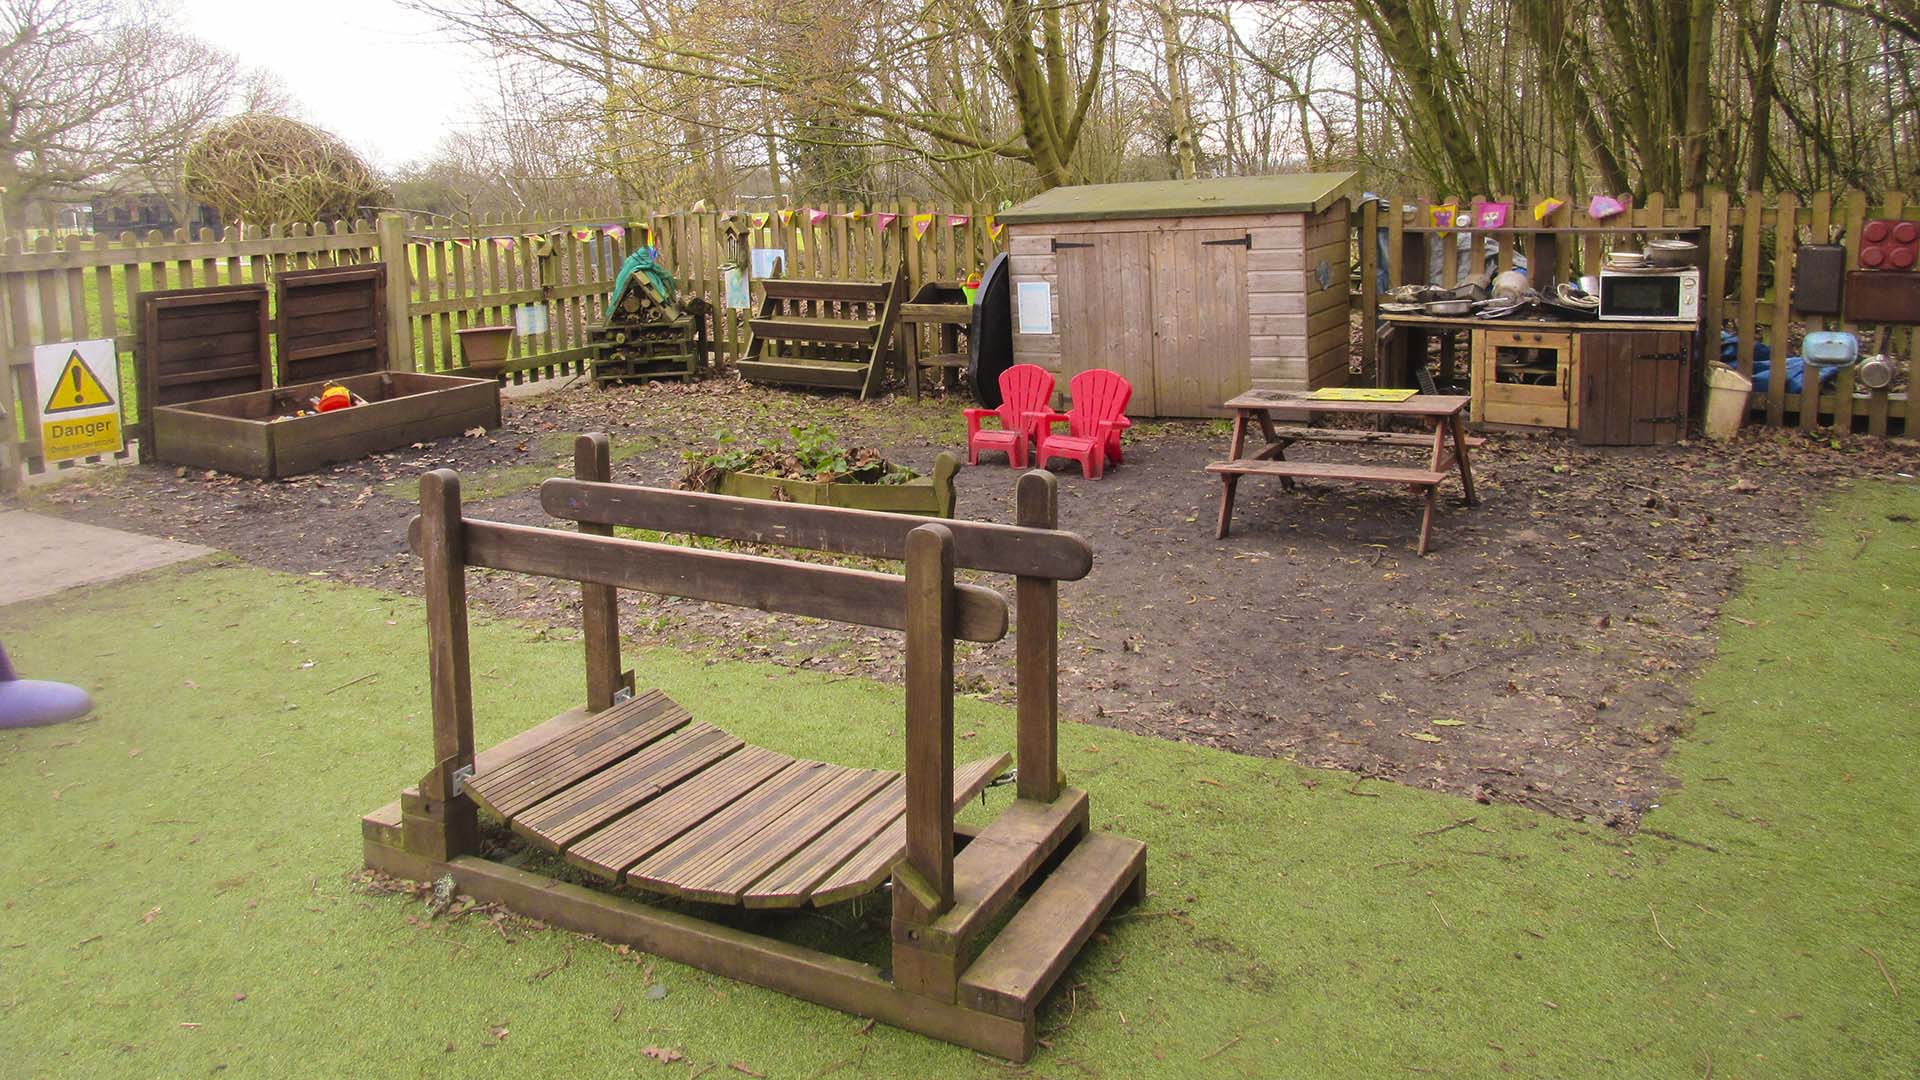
pixel 393 253
pixel 599 604
pixel 1037 651
pixel 440 823
pixel 923 881
pixel 1369 288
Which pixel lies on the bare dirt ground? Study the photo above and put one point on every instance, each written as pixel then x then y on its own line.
pixel 1541 654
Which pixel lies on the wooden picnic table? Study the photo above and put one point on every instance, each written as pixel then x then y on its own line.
pixel 1444 414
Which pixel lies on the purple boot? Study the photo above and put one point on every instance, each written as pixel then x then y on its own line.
pixel 36 702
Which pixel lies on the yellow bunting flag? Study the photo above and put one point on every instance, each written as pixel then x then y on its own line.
pixel 760 220
pixel 1442 217
pixel 957 220
pixel 1545 207
pixel 786 217
pixel 854 215
pixel 583 235
pixel 994 228
pixel 699 206
pixel 881 222
pixel 921 223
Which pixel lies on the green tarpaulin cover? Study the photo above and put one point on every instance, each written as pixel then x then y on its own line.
pixel 641 262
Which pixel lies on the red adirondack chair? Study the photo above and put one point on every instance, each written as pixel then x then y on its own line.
pixel 1026 400
pixel 1094 424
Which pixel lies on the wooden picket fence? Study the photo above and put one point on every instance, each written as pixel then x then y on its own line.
pixel 697 246
pixel 451 276
pixel 1750 248
pixel 479 273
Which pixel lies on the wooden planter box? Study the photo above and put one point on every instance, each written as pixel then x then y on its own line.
pixel 931 495
pixel 238 434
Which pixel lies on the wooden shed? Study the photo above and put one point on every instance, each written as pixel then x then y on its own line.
pixel 1195 290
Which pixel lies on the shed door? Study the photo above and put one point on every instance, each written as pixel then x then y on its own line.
pixel 1106 309
pixel 1200 327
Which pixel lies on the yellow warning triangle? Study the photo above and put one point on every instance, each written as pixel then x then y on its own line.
pixel 76 388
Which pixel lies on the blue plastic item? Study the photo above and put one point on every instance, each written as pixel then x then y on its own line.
pixel 36 702
pixel 1831 347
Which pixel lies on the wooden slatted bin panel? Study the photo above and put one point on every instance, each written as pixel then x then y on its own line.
pixel 331 322
pixel 195 344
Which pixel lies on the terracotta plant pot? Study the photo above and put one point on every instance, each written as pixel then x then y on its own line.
pixel 485 348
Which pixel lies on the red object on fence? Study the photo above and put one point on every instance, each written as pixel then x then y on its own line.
pixel 1094 424
pixel 1026 400
pixel 1889 244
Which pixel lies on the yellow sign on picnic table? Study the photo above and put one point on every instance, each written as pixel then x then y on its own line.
pixel 1356 393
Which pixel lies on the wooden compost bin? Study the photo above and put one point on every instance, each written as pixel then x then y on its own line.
pixel 1194 290
pixel 239 434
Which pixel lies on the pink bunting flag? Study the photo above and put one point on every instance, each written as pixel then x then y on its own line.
pixel 1603 207
pixel 615 231
pixel 815 217
pixel 503 241
pixel 957 220
pixel 463 241
pixel 881 222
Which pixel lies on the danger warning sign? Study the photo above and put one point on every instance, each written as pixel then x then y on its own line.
pixel 79 385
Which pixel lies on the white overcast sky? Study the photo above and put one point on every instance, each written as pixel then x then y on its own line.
pixel 373 72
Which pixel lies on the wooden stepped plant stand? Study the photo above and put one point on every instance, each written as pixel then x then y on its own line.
pixel 833 334
pixel 633 789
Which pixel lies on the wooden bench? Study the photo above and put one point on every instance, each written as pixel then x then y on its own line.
pixel 832 334
pixel 1425 481
pixel 1293 433
pixel 635 790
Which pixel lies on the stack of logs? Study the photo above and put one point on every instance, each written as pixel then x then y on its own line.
pixel 649 336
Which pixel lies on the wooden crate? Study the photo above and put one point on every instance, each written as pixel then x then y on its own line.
pixel 238 434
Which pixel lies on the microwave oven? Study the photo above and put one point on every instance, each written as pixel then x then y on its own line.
pixel 1650 294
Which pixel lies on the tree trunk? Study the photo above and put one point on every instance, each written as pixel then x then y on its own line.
pixel 1179 100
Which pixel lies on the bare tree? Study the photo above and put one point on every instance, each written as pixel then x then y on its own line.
pixel 90 90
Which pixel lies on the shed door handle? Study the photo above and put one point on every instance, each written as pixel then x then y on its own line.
pixel 1240 241
pixel 1060 244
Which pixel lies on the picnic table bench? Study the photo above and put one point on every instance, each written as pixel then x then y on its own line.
pixel 1442 412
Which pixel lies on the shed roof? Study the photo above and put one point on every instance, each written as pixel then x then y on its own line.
pixel 1292 194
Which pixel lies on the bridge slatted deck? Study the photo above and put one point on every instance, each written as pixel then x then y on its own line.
pixel 645 794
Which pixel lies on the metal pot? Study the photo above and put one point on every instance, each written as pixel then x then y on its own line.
pixel 1450 309
pixel 1672 253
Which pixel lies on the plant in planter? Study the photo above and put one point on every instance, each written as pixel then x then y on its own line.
pixel 816 469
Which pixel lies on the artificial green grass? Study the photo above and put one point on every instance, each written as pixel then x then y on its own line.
pixel 195 843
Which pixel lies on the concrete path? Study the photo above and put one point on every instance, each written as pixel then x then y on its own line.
pixel 41 555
